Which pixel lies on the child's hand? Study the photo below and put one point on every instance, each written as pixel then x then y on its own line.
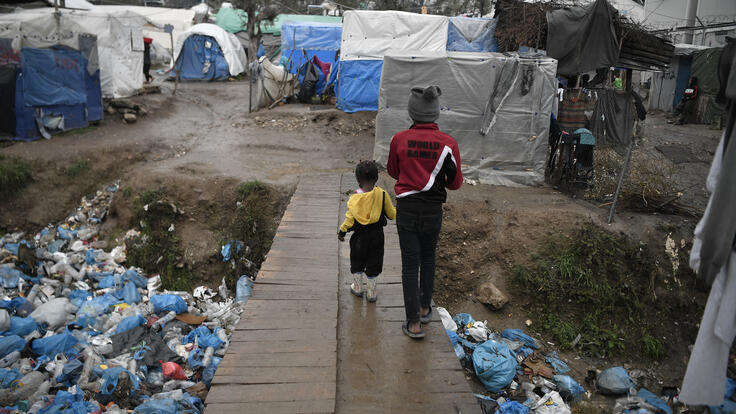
pixel 340 236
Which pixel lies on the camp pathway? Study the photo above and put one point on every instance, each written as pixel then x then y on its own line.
pixel 306 345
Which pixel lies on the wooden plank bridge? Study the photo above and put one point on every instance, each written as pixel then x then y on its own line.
pixel 306 345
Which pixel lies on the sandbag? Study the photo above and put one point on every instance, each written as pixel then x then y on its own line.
pixel 615 381
pixel 494 365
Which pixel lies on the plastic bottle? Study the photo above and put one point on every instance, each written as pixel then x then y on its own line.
pixel 243 289
pixel 177 384
pixel 33 293
pixel 25 366
pixel 163 321
pixel 208 353
pixel 9 359
pixel 133 365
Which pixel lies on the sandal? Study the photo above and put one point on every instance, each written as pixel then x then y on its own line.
pixel 410 334
pixel 426 318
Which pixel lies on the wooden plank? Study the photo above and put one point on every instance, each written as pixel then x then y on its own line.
pixel 227 374
pixel 296 295
pixel 282 407
pixel 289 306
pixel 242 393
pixel 283 359
pixel 286 322
pixel 281 346
pixel 257 335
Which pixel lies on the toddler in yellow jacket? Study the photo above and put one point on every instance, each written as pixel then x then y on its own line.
pixel 368 209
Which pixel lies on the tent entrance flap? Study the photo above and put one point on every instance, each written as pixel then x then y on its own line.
pixel 201 59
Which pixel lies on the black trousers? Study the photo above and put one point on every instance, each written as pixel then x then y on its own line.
pixel 418 234
pixel 366 252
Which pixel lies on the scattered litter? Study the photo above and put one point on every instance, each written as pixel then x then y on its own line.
pixel 615 381
pixel 81 332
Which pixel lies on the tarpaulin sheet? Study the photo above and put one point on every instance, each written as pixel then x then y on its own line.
pixel 358 85
pixel 53 77
pixel 470 34
pixel 582 38
pixel 514 150
pixel 232 20
pixel 229 44
pixel 201 59
pixel 7 99
pixel 316 39
pixel 613 119
pixel 371 34
pixel 274 27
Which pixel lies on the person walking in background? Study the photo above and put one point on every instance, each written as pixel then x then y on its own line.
pixel 368 209
pixel 147 58
pixel 424 161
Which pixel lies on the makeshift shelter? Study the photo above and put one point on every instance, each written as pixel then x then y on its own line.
pixel 207 52
pixel 667 87
pixel 271 83
pixel 470 34
pixel 369 35
pixel 496 106
pixel 49 75
pixel 302 41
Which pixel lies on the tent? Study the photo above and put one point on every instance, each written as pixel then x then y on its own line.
pixel 471 34
pixel 274 27
pixel 667 87
pixel 180 20
pixel 369 35
pixel 497 107
pixel 49 75
pixel 311 39
pixel 206 52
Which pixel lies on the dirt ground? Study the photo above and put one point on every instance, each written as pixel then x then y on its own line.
pixel 198 145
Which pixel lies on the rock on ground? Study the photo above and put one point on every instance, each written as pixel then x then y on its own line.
pixel 489 294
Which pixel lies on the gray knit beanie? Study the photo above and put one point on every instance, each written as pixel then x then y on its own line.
pixel 424 104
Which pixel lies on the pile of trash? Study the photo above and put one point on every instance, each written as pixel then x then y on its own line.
pixel 80 331
pixel 521 379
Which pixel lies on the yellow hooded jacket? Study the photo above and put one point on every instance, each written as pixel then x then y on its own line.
pixel 367 208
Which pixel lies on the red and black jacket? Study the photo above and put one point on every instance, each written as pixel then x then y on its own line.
pixel 424 161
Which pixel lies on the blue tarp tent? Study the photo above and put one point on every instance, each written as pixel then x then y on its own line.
pixel 201 58
pixel 315 39
pixel 357 87
pixel 54 88
pixel 471 34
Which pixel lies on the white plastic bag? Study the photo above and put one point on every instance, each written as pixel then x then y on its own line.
pixel 447 321
pixel 551 403
pixel 479 331
pixel 55 313
pixel 4 320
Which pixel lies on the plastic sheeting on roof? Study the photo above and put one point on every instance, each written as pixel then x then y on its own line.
pixel 274 27
pixel 514 150
pixel 119 41
pixel 232 20
pixel 228 42
pixel 468 34
pixel 180 19
pixel 371 34
pixel 315 39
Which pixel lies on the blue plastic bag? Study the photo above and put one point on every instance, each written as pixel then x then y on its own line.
pixel 463 319
pixel 131 275
pixel 90 257
pixel 70 373
pixel 243 289
pixel 524 350
pixel 130 293
pixel 195 333
pixel 195 358
pixel 78 297
pixel 494 365
pixel 168 303
pixel 227 249
pixel 99 305
pixel 559 366
pixel 512 407
pixel 210 341
pixel 9 376
pixel 654 401
pixel 21 326
pixel 66 234
pixel 9 277
pixel 568 387
pixel 55 344
pixel 615 381
pixel 728 406
pixel 131 322
pixel 519 335
pixel 110 380
pixel 13 305
pixel 209 371
pixel 68 403
pixel 11 343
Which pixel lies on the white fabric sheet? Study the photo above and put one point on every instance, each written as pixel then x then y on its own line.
pixel 231 47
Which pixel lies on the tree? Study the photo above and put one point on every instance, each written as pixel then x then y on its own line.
pixel 256 11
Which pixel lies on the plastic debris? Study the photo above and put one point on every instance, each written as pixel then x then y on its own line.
pixel 569 389
pixel 243 289
pixel 557 364
pixel 494 365
pixel 446 319
pixel 512 407
pixel 520 336
pixel 81 332
pixel 615 381
pixel 551 403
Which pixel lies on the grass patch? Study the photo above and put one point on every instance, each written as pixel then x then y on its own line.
pixel 594 284
pixel 15 174
pixel 253 224
pixel 76 169
pixel 158 250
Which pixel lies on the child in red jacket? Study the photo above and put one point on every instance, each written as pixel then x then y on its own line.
pixel 425 162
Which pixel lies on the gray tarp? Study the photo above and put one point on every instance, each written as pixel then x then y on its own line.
pixel 613 119
pixel 514 150
pixel 582 38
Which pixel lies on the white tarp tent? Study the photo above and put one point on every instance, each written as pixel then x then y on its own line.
pixel 180 19
pixel 231 47
pixel 370 34
pixel 119 42
pixel 496 106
